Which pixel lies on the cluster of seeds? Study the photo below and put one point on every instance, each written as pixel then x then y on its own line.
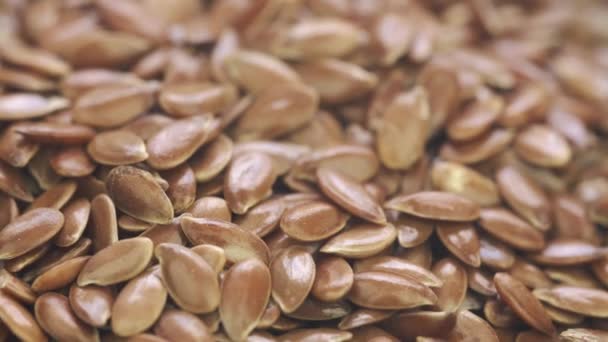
pixel 303 170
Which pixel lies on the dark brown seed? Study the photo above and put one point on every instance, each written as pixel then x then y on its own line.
pixel 56 133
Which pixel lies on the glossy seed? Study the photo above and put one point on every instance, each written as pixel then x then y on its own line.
pixel 568 252
pixel 249 180
pixel 29 231
pixel 542 146
pixel 19 320
pixel 92 304
pixel 360 241
pixel 436 205
pixel 454 277
pixel 333 279
pixel 510 229
pixel 177 325
pixel 399 267
pixel 117 148
pixel 313 221
pixel 585 301
pixel 462 240
pixel 293 273
pixel 55 316
pixel 464 181
pixel 60 275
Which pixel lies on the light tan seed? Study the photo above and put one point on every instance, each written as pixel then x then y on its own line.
pixel 22 106
pixel 581 334
pixel 136 192
pixel 60 275
pixel 464 181
pixel 264 218
pixel 249 180
pixel 337 81
pixel 16 288
pixel 177 325
pixel 361 240
pixel 475 119
pixel 213 255
pixel 413 231
pixel 525 197
pixel 409 325
pixel 581 300
pixel 29 231
pixel 138 305
pixel 523 303
pixel 402 130
pixel 363 317
pixel 117 148
pixel 314 310
pixel 510 229
pixel 113 105
pixel 398 266
pixel 313 221
pixel 357 162
pixel 495 254
pixel 121 261
pixel 436 205
pixel 15 183
pixel 388 291
pixel 178 141
pixel 19 320
pixel 55 197
pixel 293 273
pixel 197 290
pixel 245 293
pixel 478 149
pixel 567 252
pixel 103 222
pixel 455 283
pixel 237 243
pixel 316 334
pixel 212 158
pixel 187 99
pixel 542 146
pixel 211 207
pixel 256 71
pixel 350 195
pixel 92 304
pixel 277 110
pixel 470 327
pixel 55 316
pixel 333 279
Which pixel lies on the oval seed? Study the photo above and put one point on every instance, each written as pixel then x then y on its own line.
pixel 495 254
pixel 56 133
pixel 464 181
pixel 511 229
pixel 72 162
pixel 187 99
pixel 177 325
pixel 435 205
pixel 317 334
pixel 213 255
pixel 214 208
pixel 455 283
pixel 22 106
pixel 413 231
pixel 55 316
pixel 398 266
pixel 212 159
pixel 333 279
pixel 121 261
pixel 313 221
pixel 585 301
pixel 137 193
pixel 14 183
pixel 462 240
pixel 362 240
pixel 197 290
pixel 409 325
pixel 568 252
pixel 293 273
pixel 478 149
pixel 542 146
pixel 19 320
pixel 264 217
pixel 92 304
pixel 16 288
pixel 182 187
pixel 470 327
pixel 55 197
pixel 29 231
pixel 256 71
pixel 103 220
pixel 60 275
pixel 138 305
pixel 249 180
pixel 117 148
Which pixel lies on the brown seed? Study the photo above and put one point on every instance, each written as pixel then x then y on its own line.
pixel 169 233
pixel 264 217
pixel 212 158
pixel 213 255
pixel 182 187
pixel 495 254
pixel 333 279
pixel 197 290
pixel 15 148
pixel 532 276
pixel 581 300
pixel 573 276
pixel 237 243
pixel 148 125
pixel 462 240
pixel 138 305
pixel 249 180
pixel 313 221
pixel 413 231
pixel 293 273
pixel 8 210
pixel 22 106
pixel 541 146
pixel 314 310
pixel 57 256
pixel 29 231
pixel 362 317
pixel 211 207
pixel 478 149
pixel 56 133
pixel 528 103
pixel 92 304
pixel 55 316
pixel 72 162
pixel 600 270
pixel 381 290
pixel 316 334
pixel 256 71
pixel 80 81
pixel 26 81
pixel 471 327
pixel 136 193
pixel 560 316
pixel 368 333
pixel 568 252
pixel 187 99
pixel 350 195
pixel 402 130
pixel 264 119
pixel 398 266
pixel 455 283
pixel 337 81
pixel 103 221
pixel 435 205
pixel 580 334
pixel 15 183
pixel 571 219
pixel 500 315
pixel 523 303
pixel 55 197
pixel 19 320
pixel 357 162
pixel 361 241
pixel 420 255
pixel 481 282
pixel 245 292
pixel 525 197
pixel 409 325
pixel 131 224
pixel 121 261
pixel 510 229
pixel 113 105
pixel 177 325
pixel 464 181
pixel 270 316
pixel 16 288
pixel 475 119
pixel 60 275
pixel 178 141
pixel 117 148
